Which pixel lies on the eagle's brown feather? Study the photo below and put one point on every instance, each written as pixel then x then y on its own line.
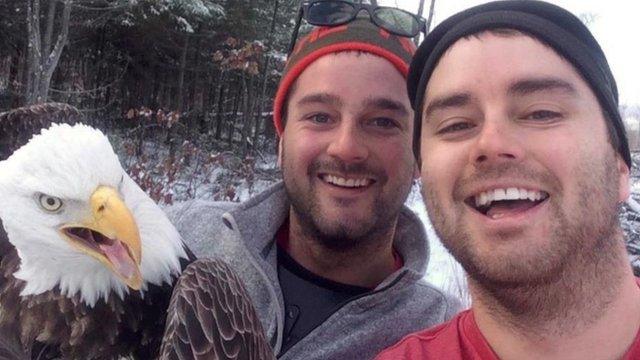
pixel 211 317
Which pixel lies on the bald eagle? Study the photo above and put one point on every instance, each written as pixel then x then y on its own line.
pixel 87 259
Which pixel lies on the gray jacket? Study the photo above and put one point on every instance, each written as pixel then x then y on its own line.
pixel 243 235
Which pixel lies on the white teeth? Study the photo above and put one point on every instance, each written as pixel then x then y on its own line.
pixel 481 199
pixel 499 194
pixel 487 197
pixel 513 193
pixel 351 183
pixel 524 194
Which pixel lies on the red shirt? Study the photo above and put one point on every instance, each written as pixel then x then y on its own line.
pixel 459 338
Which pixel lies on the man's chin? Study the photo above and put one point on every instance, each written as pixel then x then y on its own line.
pixel 514 269
pixel 344 229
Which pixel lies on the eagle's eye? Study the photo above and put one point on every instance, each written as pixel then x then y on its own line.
pixel 50 203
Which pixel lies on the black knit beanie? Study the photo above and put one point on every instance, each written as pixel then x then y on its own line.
pixel 553 25
pixel 358 35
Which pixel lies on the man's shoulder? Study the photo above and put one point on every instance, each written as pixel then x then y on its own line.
pixel 198 210
pixel 201 225
pixel 222 228
pixel 458 338
pixel 438 342
pixel 194 210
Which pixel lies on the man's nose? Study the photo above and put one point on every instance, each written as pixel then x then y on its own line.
pixel 497 142
pixel 348 144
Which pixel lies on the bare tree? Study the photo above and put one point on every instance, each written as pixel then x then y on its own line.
pixel 429 17
pixel 43 59
pixel 265 72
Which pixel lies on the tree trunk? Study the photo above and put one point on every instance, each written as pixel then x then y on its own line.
pixel 222 90
pixel 208 101
pixel 247 114
pixel 416 39
pixel 183 67
pixel 13 86
pixel 196 91
pixel 48 34
pixel 234 114
pixel 42 65
pixel 100 73
pixel 431 12
pixel 33 51
pixel 265 75
pixel 51 62
pixel 260 100
pixel 173 131
pixel 157 89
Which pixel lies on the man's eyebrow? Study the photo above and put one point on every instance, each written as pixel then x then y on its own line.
pixel 383 103
pixel 323 98
pixel 533 85
pixel 447 101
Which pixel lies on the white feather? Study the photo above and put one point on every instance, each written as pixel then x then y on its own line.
pixel 70 162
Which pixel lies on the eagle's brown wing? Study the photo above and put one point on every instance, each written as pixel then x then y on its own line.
pixel 10 346
pixel 17 126
pixel 211 317
pixel 5 248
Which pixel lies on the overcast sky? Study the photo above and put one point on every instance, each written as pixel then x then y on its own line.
pixel 616 26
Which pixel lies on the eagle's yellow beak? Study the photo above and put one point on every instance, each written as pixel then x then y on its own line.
pixel 110 235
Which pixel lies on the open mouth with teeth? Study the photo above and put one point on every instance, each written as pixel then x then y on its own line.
pixel 497 203
pixel 353 183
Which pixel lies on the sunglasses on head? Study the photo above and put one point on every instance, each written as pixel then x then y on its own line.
pixel 337 12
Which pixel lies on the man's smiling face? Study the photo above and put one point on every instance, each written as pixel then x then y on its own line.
pixel 346 149
pixel 517 169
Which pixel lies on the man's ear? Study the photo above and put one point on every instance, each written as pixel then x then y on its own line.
pixel 624 185
pixel 280 151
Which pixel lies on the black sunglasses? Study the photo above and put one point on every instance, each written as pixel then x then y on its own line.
pixel 337 12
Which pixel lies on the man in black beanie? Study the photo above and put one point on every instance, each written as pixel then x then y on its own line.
pixel 524 162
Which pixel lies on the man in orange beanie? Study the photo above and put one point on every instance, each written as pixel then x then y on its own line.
pixel 332 259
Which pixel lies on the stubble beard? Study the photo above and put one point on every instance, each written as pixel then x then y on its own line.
pixel 347 233
pixel 567 280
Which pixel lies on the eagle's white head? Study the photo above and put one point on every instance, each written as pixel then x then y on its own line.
pixel 78 221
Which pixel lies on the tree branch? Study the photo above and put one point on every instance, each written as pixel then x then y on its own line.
pixel 53 58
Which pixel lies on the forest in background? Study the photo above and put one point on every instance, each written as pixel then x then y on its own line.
pixel 202 71
pixel 172 70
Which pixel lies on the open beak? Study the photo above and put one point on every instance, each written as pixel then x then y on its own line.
pixel 110 235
